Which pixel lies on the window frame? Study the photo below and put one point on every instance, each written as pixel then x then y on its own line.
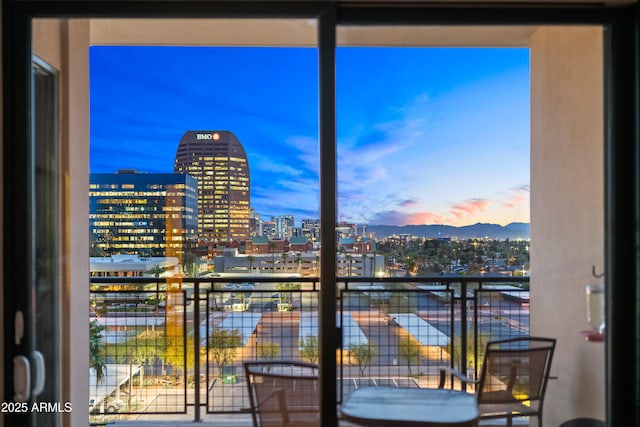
pixel 622 207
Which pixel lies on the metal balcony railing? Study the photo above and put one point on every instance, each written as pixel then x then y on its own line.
pixel 170 344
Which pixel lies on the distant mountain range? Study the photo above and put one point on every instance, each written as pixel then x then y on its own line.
pixel 515 230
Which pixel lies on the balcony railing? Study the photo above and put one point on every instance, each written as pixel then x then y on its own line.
pixel 170 345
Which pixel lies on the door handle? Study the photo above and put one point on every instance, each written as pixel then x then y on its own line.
pixel 21 379
pixel 39 373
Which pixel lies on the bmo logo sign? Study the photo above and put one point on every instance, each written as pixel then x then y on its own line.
pixel 213 136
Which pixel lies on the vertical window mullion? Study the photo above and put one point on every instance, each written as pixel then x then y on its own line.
pixel 328 197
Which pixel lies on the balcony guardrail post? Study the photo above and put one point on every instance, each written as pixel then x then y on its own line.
pixel 196 352
pixel 463 328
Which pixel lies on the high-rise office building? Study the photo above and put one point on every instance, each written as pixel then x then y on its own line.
pixel 284 226
pixel 149 214
pixel 217 160
pixel 311 229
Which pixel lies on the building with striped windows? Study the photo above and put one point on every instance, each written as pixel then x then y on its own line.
pixel 217 160
pixel 149 214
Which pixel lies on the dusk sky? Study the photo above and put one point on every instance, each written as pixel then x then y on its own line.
pixel 425 135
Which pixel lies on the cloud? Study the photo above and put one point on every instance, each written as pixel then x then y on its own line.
pixel 408 203
pixel 469 207
pixel 387 159
pixel 286 180
pixel 400 157
pixel 405 218
pixel 273 167
pixel 517 197
pixel 308 152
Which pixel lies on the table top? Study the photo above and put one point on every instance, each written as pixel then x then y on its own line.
pixel 404 406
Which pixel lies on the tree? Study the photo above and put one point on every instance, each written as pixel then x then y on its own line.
pixel 349 264
pixel 175 353
pixel 95 250
pixel 223 346
pixel 472 357
pixel 309 348
pixel 373 263
pixel 145 348
pixel 298 261
pixel 409 351
pixel 268 350
pixel 156 270
pixel 273 246
pixel 364 354
pixel 97 359
pixel 189 263
pixel 251 259
pixel 286 297
pixel 285 257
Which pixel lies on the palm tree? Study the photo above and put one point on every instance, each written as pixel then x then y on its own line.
pixel 251 259
pixel 156 270
pixel 97 350
pixel 285 257
pixel 349 258
pixel 298 262
pixel 273 246
pixel 373 264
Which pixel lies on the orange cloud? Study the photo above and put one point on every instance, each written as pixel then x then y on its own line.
pixel 517 196
pixel 408 218
pixel 469 207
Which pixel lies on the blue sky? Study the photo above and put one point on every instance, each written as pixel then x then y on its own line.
pixel 425 135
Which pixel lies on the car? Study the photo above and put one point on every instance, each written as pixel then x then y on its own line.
pixel 113 405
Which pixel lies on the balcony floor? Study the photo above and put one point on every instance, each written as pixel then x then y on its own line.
pixel 207 421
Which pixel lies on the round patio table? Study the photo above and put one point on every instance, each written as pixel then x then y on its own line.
pixel 416 407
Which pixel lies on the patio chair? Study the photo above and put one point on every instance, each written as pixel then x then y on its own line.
pixel 513 378
pixel 283 393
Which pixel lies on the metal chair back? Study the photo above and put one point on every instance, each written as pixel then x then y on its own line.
pixel 514 377
pixel 283 393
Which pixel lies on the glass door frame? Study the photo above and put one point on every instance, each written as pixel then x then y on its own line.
pixel 621 164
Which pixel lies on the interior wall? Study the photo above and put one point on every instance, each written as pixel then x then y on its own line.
pixel 567 211
pixel 205 32
pixel 76 292
pixel 64 45
pixel 2 399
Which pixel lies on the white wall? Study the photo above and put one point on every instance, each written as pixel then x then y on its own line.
pixel 567 210
pixel 1 241
pixel 64 45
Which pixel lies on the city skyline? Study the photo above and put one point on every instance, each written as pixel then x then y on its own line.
pixel 425 135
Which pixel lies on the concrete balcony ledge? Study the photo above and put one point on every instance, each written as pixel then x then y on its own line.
pixel 184 420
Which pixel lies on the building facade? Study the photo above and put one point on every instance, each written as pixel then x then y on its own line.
pixel 284 226
pixel 311 229
pixel 149 214
pixel 217 160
